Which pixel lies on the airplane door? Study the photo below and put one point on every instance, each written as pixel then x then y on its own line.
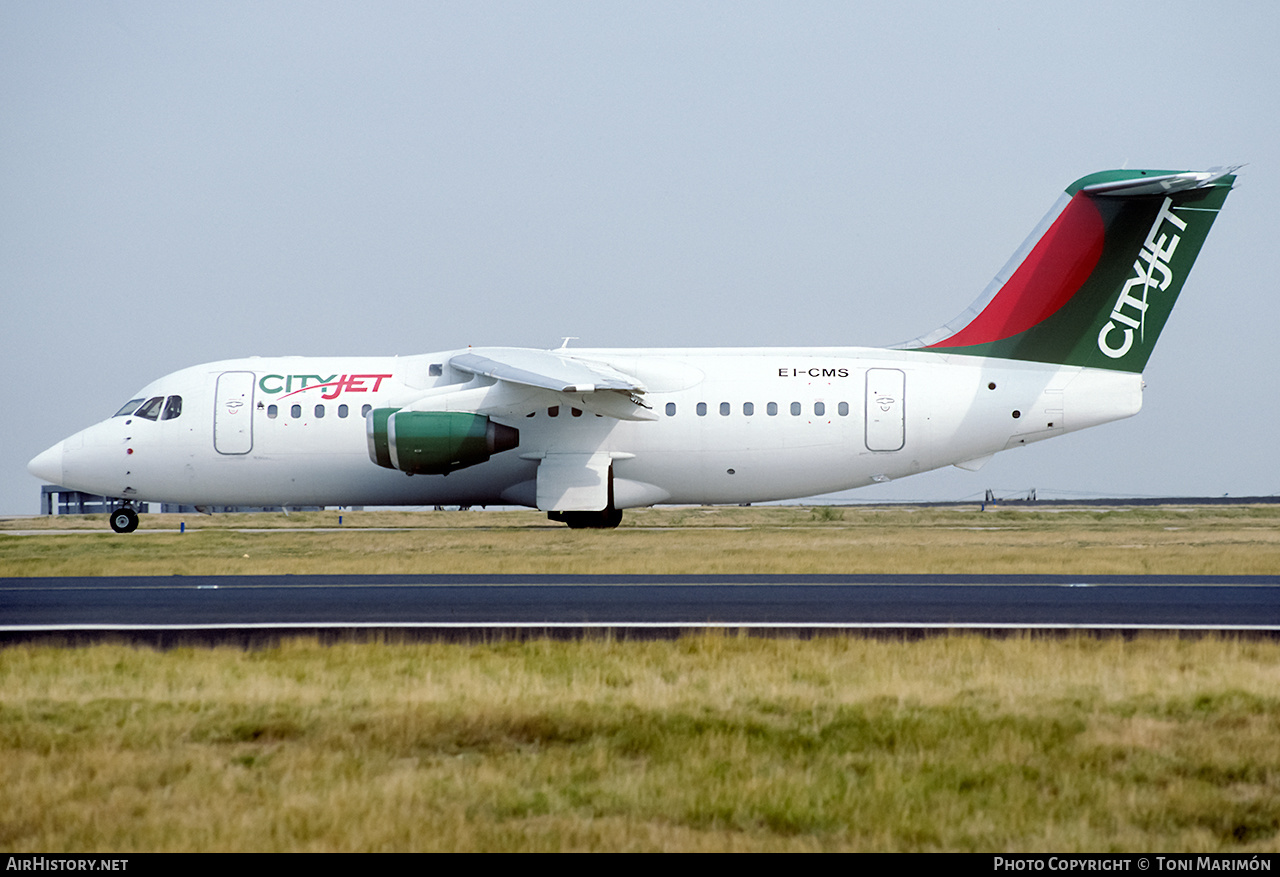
pixel 886 423
pixel 233 413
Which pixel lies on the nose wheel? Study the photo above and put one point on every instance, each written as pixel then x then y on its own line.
pixel 124 520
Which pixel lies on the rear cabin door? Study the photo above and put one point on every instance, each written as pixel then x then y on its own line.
pixel 886 421
pixel 233 413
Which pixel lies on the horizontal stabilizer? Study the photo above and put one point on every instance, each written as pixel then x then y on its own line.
pixel 1165 184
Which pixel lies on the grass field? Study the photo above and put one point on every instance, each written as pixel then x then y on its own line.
pixel 710 742
pixel 707 743
pixel 781 539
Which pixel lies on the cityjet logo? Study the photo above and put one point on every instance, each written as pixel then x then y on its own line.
pixel 336 385
pixel 1131 307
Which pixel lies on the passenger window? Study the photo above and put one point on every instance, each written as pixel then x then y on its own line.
pixel 702 409
pixel 771 409
pixel 342 411
pixel 319 411
pixel 129 407
pixel 295 412
pixel 748 408
pixel 272 411
pixel 435 370
pixel 365 409
pixel 724 409
pixel 843 409
pixel 671 409
pixel 795 409
pixel 172 408
pixel 150 409
pixel 819 408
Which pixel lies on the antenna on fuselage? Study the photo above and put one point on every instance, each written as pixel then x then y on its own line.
pixel 564 343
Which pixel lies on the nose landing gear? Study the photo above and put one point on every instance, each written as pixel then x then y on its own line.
pixel 124 520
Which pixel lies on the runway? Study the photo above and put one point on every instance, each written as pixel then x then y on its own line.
pixel 583 602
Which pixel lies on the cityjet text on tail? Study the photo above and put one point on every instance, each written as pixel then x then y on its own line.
pixel 1056 343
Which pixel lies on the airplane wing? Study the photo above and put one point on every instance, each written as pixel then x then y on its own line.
pixel 544 368
pixel 590 385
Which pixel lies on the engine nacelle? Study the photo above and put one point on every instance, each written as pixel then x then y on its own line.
pixel 434 442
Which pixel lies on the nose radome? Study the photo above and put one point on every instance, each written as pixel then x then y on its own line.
pixel 48 465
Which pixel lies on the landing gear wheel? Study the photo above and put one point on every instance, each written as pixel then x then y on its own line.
pixel 602 520
pixel 124 520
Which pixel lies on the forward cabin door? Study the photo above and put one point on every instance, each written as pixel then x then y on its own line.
pixel 886 406
pixel 233 413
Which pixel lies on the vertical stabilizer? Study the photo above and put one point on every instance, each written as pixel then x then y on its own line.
pixel 1095 282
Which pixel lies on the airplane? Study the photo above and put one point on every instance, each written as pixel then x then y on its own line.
pixel 1056 343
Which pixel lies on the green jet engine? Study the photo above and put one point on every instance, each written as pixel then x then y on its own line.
pixel 434 442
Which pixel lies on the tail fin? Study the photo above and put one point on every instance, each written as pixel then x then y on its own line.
pixel 1095 282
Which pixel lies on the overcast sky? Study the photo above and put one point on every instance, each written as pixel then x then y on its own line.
pixel 188 182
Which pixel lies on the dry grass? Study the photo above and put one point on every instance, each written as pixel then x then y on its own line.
pixel 1212 540
pixel 708 743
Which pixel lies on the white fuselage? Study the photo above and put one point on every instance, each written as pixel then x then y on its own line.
pixel 729 426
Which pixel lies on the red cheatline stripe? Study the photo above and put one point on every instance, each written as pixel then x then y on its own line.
pixel 310 387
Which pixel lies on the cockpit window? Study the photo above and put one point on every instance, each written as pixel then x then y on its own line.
pixel 129 408
pixel 150 409
pixel 172 408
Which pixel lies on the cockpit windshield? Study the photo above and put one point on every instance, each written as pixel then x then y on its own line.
pixel 150 409
pixel 155 408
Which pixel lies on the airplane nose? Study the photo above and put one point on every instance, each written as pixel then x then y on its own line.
pixel 48 465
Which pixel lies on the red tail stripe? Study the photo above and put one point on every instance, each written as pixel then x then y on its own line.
pixel 1054 270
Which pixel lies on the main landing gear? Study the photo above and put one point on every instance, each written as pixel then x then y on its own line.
pixel 601 520
pixel 124 520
